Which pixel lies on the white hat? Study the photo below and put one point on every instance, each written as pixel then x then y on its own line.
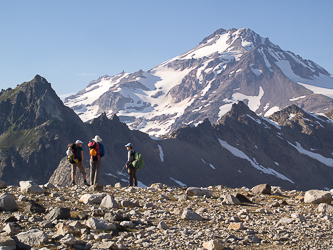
pixel 97 139
pixel 78 141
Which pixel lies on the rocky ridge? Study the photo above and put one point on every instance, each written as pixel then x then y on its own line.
pixel 161 217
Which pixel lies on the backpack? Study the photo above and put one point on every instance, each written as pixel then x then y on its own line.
pixel 94 146
pixel 72 153
pixel 138 162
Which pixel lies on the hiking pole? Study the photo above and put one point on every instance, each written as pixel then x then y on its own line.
pixel 121 171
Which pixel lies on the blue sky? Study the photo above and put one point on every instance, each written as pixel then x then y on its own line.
pixel 73 42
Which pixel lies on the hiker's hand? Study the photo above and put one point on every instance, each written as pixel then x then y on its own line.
pixel 126 166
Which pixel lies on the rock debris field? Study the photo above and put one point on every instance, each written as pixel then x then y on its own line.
pixel 163 217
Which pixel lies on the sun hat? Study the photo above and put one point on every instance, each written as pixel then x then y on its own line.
pixel 128 145
pixel 97 139
pixel 78 141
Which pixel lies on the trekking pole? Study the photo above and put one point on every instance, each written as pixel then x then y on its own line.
pixel 121 171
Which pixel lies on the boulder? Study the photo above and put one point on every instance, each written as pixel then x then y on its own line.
pixel 92 198
pixel 157 185
pixel 118 185
pixel 31 238
pixel 58 213
pixel 8 242
pixel 30 187
pixel 315 196
pixel 236 226
pixel 213 245
pixel 162 226
pixel 109 202
pixel 33 208
pixel 68 240
pixel 49 185
pixel 194 191
pixel 190 215
pixel 230 200
pixel 262 189
pixel 243 198
pixel 325 208
pixel 8 202
pixel 94 223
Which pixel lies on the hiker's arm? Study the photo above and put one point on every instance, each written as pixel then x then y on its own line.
pixel 82 155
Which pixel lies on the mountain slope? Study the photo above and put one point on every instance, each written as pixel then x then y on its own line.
pixel 292 149
pixel 226 67
pixel 34 127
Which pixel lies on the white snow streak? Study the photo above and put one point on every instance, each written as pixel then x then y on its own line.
pixel 161 153
pixel 178 182
pixel 327 161
pixel 238 153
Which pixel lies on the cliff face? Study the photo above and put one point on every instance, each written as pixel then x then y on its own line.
pixel 34 127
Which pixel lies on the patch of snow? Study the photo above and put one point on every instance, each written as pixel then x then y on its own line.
pixel 253 102
pixel 275 124
pixel 155 138
pixel 276 163
pixel 297 98
pixel 327 161
pixel 256 120
pixel 211 165
pixel 257 72
pixel 161 153
pixel 178 182
pixel 238 153
pixel 272 111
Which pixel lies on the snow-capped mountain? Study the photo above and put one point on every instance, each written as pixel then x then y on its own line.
pixel 226 67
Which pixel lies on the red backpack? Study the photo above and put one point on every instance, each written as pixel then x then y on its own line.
pixel 94 145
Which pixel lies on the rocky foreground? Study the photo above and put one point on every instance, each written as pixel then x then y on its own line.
pixel 162 217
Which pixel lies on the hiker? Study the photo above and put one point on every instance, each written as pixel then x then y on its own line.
pixel 78 154
pixel 96 152
pixel 130 169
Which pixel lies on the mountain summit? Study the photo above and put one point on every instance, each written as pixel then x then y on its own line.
pixel 226 67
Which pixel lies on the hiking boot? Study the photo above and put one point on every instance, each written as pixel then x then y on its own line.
pixel 73 183
pixel 86 183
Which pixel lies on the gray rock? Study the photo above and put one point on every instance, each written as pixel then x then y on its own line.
pixel 58 213
pixel 128 203
pixel 30 187
pixel 118 185
pixel 68 239
pixel 285 220
pixel 317 196
pixel 49 185
pixel 94 223
pixel 157 185
pixel 104 245
pixel 8 202
pixel 109 202
pixel 92 198
pixel 128 224
pixel 262 189
pixel 231 200
pixel 190 215
pixel 182 197
pixel 33 208
pixel 194 191
pixel 325 208
pixel 7 242
pixel 162 226
pixel 31 238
